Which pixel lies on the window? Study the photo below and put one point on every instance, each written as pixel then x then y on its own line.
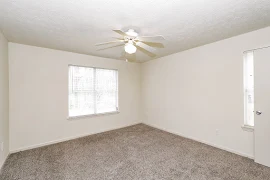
pixel 92 91
pixel 249 88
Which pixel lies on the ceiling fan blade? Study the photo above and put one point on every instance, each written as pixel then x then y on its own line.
pixel 150 38
pixel 118 38
pixel 110 42
pixel 154 44
pixel 111 47
pixel 120 32
pixel 146 49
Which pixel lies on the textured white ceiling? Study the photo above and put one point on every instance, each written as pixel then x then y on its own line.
pixel 77 25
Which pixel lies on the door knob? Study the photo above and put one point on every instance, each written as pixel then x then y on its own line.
pixel 258 112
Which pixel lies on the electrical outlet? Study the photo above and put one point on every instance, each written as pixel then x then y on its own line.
pixel 2 146
pixel 217 132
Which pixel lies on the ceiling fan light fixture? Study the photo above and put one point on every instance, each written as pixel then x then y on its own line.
pixel 130 48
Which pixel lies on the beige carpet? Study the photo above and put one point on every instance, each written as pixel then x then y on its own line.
pixel 137 152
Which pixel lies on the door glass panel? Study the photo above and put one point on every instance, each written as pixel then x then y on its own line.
pixel 249 88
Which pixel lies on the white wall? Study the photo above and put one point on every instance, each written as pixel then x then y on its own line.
pixel 195 92
pixel 4 129
pixel 39 96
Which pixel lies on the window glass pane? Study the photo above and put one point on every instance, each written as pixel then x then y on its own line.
pixel 106 90
pixel 81 91
pixel 249 88
pixel 92 91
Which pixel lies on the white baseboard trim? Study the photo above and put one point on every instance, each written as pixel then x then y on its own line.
pixel 204 142
pixel 67 139
pixel 1 165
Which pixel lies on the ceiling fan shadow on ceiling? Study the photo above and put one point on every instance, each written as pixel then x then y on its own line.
pixel 133 42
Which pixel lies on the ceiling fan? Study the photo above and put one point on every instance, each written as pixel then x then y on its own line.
pixel 132 41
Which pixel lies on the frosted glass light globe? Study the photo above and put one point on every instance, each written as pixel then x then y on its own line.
pixel 130 48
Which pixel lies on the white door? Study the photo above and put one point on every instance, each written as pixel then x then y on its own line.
pixel 262 106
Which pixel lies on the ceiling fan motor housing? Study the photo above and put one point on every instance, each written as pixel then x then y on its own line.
pixel 132 33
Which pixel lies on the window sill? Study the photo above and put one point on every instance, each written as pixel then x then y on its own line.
pixel 248 128
pixel 92 115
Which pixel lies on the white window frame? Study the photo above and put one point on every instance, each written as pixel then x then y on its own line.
pixel 96 114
